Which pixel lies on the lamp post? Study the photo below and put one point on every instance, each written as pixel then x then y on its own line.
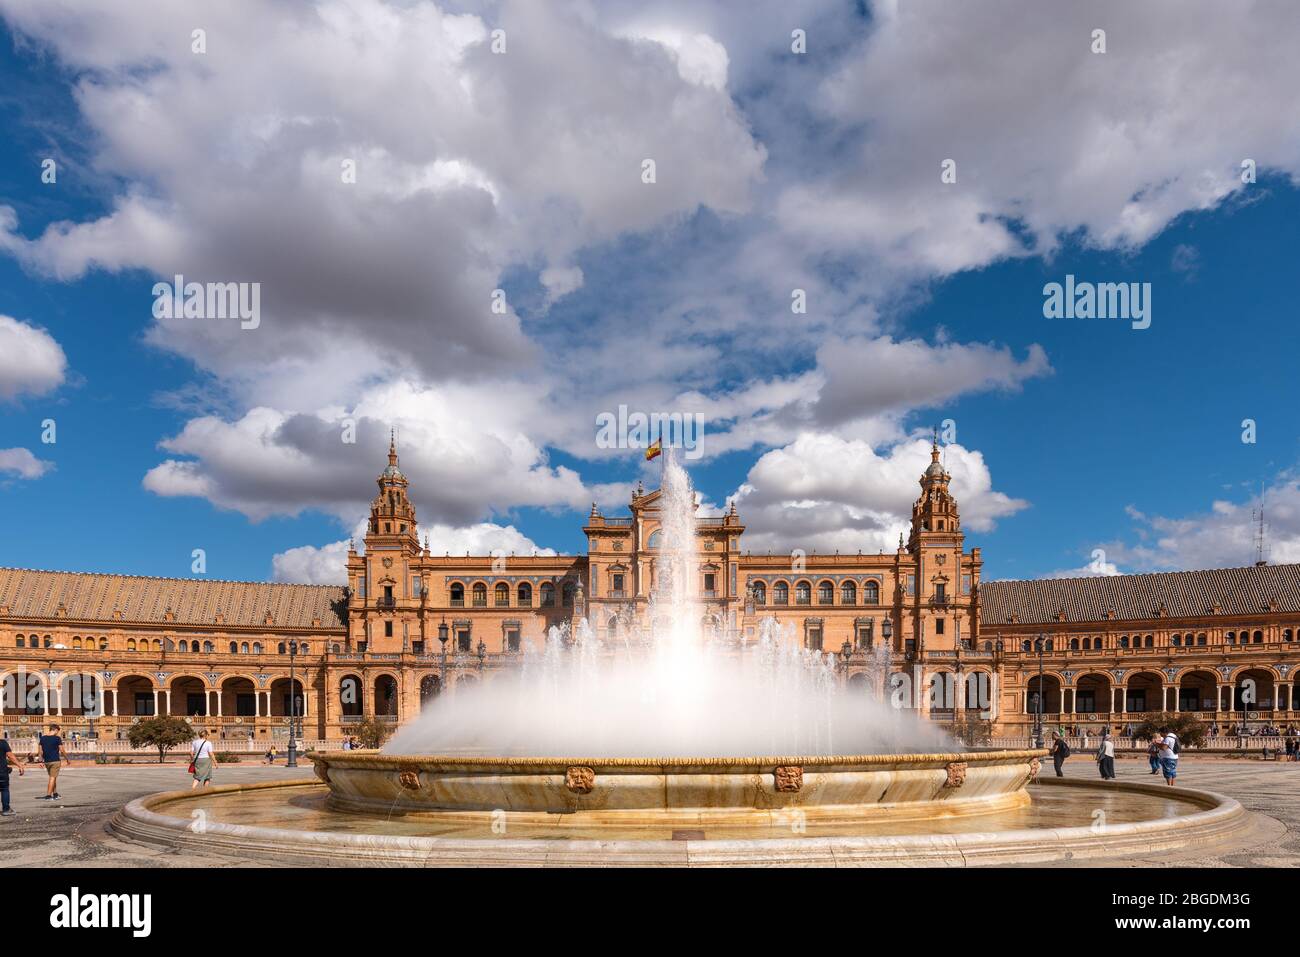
pixel 442 639
pixel 1038 717
pixel 293 707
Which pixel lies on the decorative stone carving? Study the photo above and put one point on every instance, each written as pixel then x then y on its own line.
pixel 789 777
pixel 1034 767
pixel 409 780
pixel 956 774
pixel 580 780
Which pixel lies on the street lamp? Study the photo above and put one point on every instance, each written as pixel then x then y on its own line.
pixel 442 638
pixel 293 707
pixel 1038 717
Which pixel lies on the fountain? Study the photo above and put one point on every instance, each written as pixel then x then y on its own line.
pixel 679 744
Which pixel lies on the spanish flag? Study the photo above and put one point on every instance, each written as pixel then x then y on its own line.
pixel 656 449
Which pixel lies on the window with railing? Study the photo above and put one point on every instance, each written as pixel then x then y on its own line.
pixel 502 593
pixel 803 594
pixel 780 594
pixel 825 594
pixel 480 595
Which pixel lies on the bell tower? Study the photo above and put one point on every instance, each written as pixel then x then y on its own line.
pixel 392 516
pixel 934 514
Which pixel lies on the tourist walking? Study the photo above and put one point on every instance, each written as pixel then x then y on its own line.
pixel 1169 755
pixel 1060 751
pixel 53 754
pixel 1106 758
pixel 6 759
pixel 1153 754
pixel 201 758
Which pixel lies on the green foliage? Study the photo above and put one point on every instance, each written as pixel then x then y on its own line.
pixel 163 733
pixel 225 757
pixel 372 733
pixel 1190 729
pixel 972 730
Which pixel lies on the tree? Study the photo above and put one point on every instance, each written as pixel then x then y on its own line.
pixel 372 733
pixel 161 733
pixel 1189 728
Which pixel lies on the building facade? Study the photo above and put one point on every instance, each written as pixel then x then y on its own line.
pixel 98 651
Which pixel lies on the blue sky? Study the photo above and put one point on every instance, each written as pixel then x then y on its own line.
pixel 775 172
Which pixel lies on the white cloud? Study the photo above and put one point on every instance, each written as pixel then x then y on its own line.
pixel 823 493
pixel 560 281
pixel 31 362
pixel 23 464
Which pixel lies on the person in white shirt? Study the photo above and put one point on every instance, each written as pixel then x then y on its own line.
pixel 1168 755
pixel 201 757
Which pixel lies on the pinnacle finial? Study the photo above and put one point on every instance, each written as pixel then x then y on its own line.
pixel 392 446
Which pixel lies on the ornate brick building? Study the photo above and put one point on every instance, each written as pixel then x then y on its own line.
pixel 99 650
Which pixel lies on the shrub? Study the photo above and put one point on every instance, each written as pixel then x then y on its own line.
pixel 1189 728
pixel 225 757
pixel 372 734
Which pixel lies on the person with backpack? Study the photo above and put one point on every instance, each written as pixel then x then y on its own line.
pixel 1169 749
pixel 1060 751
pixel 1153 754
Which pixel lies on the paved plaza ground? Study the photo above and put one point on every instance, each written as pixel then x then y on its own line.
pixel 71 832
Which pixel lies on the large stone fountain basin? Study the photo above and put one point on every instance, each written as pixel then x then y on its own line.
pixel 702 791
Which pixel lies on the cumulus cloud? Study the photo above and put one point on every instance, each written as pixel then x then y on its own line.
pixel 23 464
pixel 31 362
pixel 826 493
pixel 1224 535
pixel 1048 137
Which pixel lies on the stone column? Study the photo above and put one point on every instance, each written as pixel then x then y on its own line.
pixel 58 701
pixel 168 693
pixel 207 703
pixel 155 702
pixel 116 712
pixel 1232 699
pixel 257 704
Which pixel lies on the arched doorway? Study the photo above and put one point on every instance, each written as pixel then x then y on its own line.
pixel 24 693
pixel 135 696
pixel 81 696
pixel 430 688
pixel 1254 690
pixel 189 697
pixel 1144 693
pixel 386 696
pixel 1092 694
pixel 1198 691
pixel 238 698
pixel 351 696
pixel 282 703
pixel 1044 692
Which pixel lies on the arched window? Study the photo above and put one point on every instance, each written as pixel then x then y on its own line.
pixel 130 644
pixel 548 595
pixel 826 593
pixel 257 647
pixel 802 593
pixel 282 648
pixel 653 540
pixel 1123 641
pixel 20 641
pixel 194 647
pixel 1286 634
pixel 1230 638
pixel 76 643
pixel 849 593
pixel 525 592
pixel 480 595
pixel 1258 637
pixel 185 645
pixel 1074 644
pixel 243 649
pixel 871 593
pixel 457 594
pixel 780 594
pixel 502 595
pixel 1025 645
pixel 760 593
pixel 234 647
pixel 1176 640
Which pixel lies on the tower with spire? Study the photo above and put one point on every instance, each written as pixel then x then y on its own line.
pixel 386 585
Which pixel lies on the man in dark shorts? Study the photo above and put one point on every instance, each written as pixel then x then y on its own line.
pixel 53 754
pixel 6 759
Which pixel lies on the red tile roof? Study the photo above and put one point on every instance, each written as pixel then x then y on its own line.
pixel 94 597
pixel 1236 591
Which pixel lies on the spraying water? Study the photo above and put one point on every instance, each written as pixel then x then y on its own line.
pixel 679 689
